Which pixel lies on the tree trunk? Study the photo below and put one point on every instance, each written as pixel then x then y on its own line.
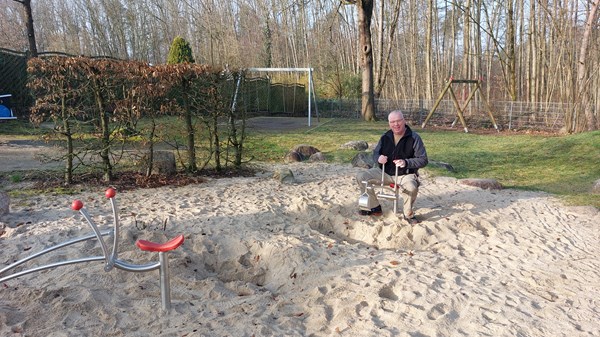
pixel 191 142
pixel 216 142
pixel 151 136
pixel 386 52
pixel 510 52
pixel 588 121
pixel 429 51
pixel 532 69
pixel 365 13
pixel 378 62
pixel 104 125
pixel 67 132
pixel 29 25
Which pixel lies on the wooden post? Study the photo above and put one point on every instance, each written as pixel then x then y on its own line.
pixel 489 109
pixel 460 109
pixel 437 103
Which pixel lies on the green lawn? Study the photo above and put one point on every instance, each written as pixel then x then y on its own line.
pixel 566 166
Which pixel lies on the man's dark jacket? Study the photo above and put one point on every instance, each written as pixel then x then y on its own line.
pixel 410 148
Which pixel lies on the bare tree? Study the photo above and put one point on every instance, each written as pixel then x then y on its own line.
pixel 29 26
pixel 511 76
pixel 429 50
pixel 588 120
pixel 365 14
pixel 536 51
pixel 385 43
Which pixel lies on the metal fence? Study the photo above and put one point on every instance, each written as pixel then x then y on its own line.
pixel 13 79
pixel 508 115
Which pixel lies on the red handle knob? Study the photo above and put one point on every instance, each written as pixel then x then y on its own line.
pixel 110 193
pixel 76 205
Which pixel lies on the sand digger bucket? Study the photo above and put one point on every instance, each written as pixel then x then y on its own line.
pixel 363 200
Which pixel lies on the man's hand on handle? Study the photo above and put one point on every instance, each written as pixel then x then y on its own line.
pixel 401 163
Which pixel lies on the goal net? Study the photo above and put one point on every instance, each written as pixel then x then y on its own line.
pixel 279 92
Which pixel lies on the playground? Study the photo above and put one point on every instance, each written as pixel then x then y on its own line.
pixel 270 259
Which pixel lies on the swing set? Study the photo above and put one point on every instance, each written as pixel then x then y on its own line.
pixel 460 110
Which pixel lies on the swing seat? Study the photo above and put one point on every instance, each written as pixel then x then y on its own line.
pixel 160 247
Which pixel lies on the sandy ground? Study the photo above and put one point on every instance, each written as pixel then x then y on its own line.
pixel 261 258
pixel 265 258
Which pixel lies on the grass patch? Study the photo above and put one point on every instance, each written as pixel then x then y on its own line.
pixel 20 129
pixel 565 166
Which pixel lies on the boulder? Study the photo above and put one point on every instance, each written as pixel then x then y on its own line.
pixel 293 157
pixel 305 150
pixel 284 176
pixel 163 163
pixel 317 157
pixel 596 187
pixel 487 184
pixel 359 145
pixel 443 165
pixel 363 159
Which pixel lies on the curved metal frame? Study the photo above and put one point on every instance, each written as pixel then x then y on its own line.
pixel 110 260
pixel 395 189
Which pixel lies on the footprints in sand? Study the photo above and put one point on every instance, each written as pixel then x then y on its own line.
pixel 387 292
pixel 437 311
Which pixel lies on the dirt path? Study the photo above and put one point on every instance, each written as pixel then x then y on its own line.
pixel 25 155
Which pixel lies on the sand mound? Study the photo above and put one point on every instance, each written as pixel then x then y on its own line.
pixel 262 258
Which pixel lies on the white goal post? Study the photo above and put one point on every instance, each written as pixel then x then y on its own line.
pixel 310 83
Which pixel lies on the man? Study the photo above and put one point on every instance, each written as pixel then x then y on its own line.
pixel 402 147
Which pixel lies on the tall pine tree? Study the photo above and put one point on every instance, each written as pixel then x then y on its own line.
pixel 180 52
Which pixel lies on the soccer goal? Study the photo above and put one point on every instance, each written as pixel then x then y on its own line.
pixel 285 98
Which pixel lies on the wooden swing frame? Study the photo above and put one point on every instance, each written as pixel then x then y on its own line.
pixel 460 109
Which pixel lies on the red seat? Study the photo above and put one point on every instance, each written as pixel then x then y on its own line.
pixel 160 247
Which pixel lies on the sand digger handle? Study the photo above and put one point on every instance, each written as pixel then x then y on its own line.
pixel 383 173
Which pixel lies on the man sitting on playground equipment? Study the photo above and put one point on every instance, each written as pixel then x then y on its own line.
pixel 404 148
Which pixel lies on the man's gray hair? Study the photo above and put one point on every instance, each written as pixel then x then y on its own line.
pixel 397 111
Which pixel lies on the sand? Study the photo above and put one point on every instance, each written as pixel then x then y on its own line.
pixel 262 258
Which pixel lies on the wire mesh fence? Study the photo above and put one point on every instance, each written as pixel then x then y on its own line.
pixel 13 79
pixel 508 115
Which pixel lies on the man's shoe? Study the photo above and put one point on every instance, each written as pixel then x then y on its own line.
pixel 412 220
pixel 376 211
